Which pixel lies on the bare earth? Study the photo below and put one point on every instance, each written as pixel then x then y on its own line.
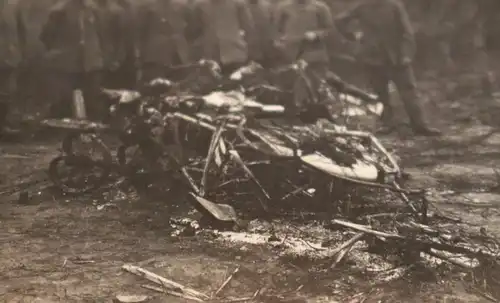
pixel 58 250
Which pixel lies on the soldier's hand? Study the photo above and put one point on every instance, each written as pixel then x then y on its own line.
pixel 278 43
pixel 310 36
pixel 115 65
pixel 406 61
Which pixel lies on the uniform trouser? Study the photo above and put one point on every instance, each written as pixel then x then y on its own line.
pixel 472 59
pixel 7 92
pixel 405 82
pixel 61 86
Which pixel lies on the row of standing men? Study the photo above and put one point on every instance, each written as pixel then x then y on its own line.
pixel 91 43
pixel 455 34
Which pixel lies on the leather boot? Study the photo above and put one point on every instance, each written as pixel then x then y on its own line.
pixel 426 131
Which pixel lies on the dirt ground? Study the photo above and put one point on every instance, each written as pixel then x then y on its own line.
pixel 57 249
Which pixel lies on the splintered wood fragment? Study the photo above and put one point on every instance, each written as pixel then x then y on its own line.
pixel 13 156
pixel 224 284
pixel 349 242
pixel 164 282
pixel 131 299
pixel 171 292
pixel 367 230
pixel 81 262
pixel 153 287
pixel 345 248
pixel 431 244
pixel 244 299
pixel 424 228
pixel 442 256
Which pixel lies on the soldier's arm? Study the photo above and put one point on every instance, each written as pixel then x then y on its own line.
pixel 142 17
pixel 49 30
pixel 328 28
pixel 349 16
pixel 99 30
pixel 279 20
pixel 325 19
pixel 273 10
pixel 179 26
pixel 246 21
pixel 407 47
pixel 186 15
pixel 132 24
pixel 120 29
pixel 268 15
pixel 247 25
pixel 195 21
pixel 465 14
pixel 22 32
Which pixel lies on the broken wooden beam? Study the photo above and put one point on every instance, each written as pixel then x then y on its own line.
pixel 164 282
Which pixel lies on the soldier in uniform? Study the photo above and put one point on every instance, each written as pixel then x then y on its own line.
pixel 12 41
pixel 388 48
pixel 223 31
pixel 431 33
pixel 303 29
pixel 466 21
pixel 465 25
pixel 74 42
pixel 112 24
pixel 491 14
pixel 161 37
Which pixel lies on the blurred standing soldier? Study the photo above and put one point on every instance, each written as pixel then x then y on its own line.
pixel 261 11
pixel 303 30
pixel 465 26
pixel 223 31
pixel 388 47
pixel 34 14
pixel 12 41
pixel 73 40
pixel 432 34
pixel 161 40
pixel 112 24
pixel 492 24
pixel 465 23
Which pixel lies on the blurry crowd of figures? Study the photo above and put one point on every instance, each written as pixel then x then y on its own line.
pixel 114 43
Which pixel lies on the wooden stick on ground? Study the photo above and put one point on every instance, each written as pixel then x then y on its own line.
pixel 442 256
pixel 226 282
pixel 168 284
pixel 430 244
pixel 244 299
pixel 367 230
pixel 345 248
pixel 170 292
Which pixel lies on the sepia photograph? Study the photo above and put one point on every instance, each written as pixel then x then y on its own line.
pixel 260 151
